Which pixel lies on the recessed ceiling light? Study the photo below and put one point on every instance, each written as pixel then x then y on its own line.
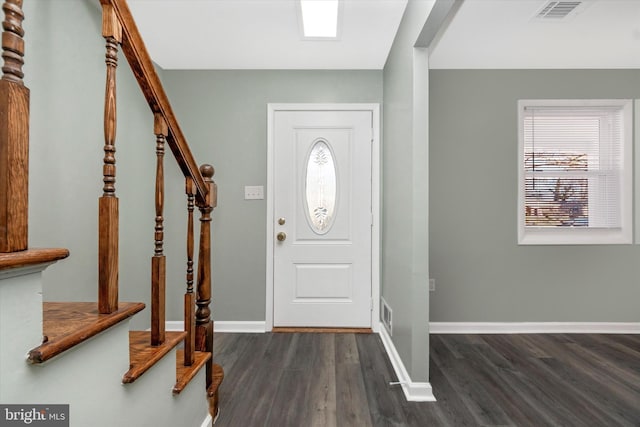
pixel 319 18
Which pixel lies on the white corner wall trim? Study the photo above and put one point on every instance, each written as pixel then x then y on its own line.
pixel 413 391
pixel 534 327
pixel 223 326
pixel 207 422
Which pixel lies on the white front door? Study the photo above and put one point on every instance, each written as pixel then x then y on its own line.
pixel 322 217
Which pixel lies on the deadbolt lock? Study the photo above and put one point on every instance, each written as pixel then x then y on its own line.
pixel 281 221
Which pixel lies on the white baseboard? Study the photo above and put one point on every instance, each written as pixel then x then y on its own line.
pixel 223 326
pixel 207 422
pixel 413 391
pixel 534 327
pixel 239 326
pixel 174 325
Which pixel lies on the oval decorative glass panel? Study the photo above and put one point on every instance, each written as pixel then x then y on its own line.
pixel 321 187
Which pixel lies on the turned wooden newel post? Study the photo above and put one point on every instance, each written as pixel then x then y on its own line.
pixel 189 296
pixel 14 133
pixel 204 324
pixel 158 262
pixel 108 203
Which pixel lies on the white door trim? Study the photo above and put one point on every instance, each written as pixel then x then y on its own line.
pixel 375 200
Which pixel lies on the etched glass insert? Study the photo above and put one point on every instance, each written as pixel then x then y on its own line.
pixel 321 187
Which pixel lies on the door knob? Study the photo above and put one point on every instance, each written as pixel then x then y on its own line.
pixel 281 236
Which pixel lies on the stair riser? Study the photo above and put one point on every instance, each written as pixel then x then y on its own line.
pixel 20 319
pixel 88 376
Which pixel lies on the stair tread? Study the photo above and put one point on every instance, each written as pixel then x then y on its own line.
pixel 32 256
pixel 218 376
pixel 212 391
pixel 184 374
pixel 142 355
pixel 67 324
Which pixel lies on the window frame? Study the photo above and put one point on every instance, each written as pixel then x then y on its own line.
pixel 530 235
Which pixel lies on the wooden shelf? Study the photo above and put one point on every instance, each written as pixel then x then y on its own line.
pixel 142 355
pixel 67 324
pixel 184 374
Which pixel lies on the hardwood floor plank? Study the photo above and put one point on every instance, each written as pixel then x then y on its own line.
pixel 292 396
pixel 323 403
pixel 614 358
pixel 449 409
pixel 592 382
pixel 517 395
pixel 533 381
pixel 569 387
pixel 305 379
pixel 383 399
pixel 244 375
pixel 467 379
pixel 488 365
pixel 352 408
pixel 347 349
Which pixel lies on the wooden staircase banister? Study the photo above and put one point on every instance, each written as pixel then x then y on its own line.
pixel 66 324
pixel 140 62
pixel 120 31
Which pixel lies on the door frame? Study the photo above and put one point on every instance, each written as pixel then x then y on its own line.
pixel 375 200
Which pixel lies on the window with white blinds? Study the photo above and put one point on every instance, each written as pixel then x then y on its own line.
pixel 575 172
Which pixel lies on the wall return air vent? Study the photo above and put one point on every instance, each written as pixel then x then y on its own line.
pixel 554 10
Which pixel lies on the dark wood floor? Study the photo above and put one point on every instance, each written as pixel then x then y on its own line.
pixel 300 380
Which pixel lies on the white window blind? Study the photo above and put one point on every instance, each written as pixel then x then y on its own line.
pixel 573 161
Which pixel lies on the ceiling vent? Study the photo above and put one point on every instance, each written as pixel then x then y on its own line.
pixel 553 10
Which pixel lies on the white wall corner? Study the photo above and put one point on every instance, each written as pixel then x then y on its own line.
pixel 413 391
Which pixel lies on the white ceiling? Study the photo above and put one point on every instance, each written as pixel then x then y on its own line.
pixel 504 34
pixel 265 34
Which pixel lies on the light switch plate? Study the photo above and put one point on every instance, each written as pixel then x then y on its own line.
pixel 253 192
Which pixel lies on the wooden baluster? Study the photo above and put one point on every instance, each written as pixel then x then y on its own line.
pixel 189 297
pixel 13 41
pixel 14 134
pixel 204 324
pixel 108 203
pixel 158 262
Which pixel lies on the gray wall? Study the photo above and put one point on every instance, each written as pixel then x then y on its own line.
pixel 481 274
pixel 405 212
pixel 66 74
pixel 224 117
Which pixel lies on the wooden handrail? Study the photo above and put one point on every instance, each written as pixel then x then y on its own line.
pixel 140 62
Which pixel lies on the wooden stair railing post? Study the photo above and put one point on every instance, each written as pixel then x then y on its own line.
pixel 108 203
pixel 189 296
pixel 158 262
pixel 14 134
pixel 204 324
